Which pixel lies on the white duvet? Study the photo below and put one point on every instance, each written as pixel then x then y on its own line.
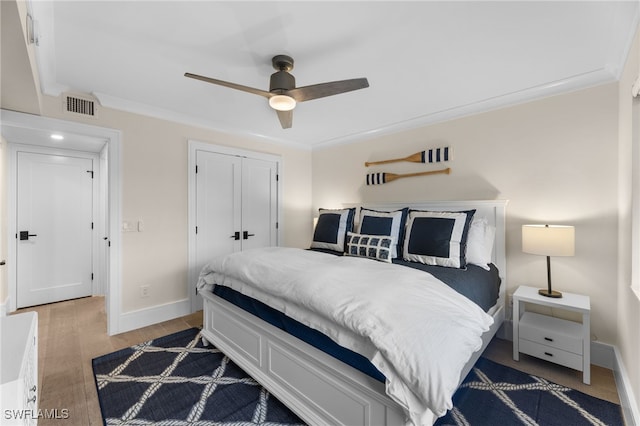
pixel 415 329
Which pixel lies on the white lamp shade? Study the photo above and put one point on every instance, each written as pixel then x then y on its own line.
pixel 548 240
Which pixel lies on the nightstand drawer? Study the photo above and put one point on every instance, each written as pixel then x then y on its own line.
pixel 552 332
pixel 548 353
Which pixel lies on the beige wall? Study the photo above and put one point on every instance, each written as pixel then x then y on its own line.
pixel 628 307
pixel 154 189
pixel 555 160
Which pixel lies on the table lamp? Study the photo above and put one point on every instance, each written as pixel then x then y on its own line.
pixel 548 240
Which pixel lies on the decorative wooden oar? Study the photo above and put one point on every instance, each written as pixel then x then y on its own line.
pixel 434 155
pixel 380 178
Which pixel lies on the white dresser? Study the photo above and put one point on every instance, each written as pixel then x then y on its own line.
pixel 19 369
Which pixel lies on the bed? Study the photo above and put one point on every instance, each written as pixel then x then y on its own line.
pixel 311 379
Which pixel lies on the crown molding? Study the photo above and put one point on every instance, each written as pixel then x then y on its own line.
pixel 571 84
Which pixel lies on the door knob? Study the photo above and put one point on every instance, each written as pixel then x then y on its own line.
pixel 236 235
pixel 24 235
pixel 246 235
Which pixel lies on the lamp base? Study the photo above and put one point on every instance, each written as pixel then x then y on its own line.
pixel 547 293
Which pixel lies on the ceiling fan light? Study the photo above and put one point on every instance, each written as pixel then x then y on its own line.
pixel 282 102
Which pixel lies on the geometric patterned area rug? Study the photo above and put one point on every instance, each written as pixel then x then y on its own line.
pixel 493 394
pixel 174 380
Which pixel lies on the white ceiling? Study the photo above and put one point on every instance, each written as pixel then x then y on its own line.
pixel 426 61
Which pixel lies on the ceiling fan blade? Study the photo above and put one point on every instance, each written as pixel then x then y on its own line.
pixel 307 93
pixel 286 118
pixel 231 85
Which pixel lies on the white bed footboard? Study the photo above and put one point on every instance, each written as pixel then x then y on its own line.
pixel 317 387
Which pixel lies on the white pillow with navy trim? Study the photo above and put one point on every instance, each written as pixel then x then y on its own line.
pixel 374 222
pixel 437 238
pixel 331 229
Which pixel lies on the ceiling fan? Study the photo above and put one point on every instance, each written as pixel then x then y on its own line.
pixel 283 94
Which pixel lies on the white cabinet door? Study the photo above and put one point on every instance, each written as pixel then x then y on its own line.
pixel 54 222
pixel 236 206
pixel 218 205
pixel 259 203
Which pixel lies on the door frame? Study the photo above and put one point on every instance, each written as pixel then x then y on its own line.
pixel 97 261
pixel 195 146
pixel 112 210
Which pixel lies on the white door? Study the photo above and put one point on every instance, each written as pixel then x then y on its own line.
pixel 218 205
pixel 54 223
pixel 259 203
pixel 236 206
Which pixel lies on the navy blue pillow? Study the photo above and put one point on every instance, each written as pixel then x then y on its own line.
pixel 390 223
pixel 326 228
pixel 375 225
pixel 431 235
pixel 332 227
pixel 437 238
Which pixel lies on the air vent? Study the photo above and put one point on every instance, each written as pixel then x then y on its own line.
pixel 80 105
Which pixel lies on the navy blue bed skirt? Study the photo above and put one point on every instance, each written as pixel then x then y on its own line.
pixel 299 330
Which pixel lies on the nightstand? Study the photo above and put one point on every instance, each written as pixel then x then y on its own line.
pixel 553 339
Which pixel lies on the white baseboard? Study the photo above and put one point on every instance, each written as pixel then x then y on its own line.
pixel 625 392
pixel 603 355
pixel 149 316
pixel 606 356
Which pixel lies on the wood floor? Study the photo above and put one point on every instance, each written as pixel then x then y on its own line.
pixel 72 333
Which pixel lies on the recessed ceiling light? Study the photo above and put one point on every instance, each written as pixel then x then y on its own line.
pixel 57 136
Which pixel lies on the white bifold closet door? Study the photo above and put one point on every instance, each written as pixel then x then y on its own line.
pixel 236 204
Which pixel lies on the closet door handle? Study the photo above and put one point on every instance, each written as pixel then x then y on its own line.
pixel 24 235
pixel 236 235
pixel 246 235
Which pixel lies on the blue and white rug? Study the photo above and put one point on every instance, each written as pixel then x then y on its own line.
pixel 493 394
pixel 174 380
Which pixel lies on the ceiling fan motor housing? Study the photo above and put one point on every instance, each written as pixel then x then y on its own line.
pixel 281 81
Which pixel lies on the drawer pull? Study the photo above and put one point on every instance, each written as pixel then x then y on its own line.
pixel 548 339
pixel 548 354
pixel 33 389
pixel 31 399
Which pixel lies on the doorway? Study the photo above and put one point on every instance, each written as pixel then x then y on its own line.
pixel 34 132
pixel 55 219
